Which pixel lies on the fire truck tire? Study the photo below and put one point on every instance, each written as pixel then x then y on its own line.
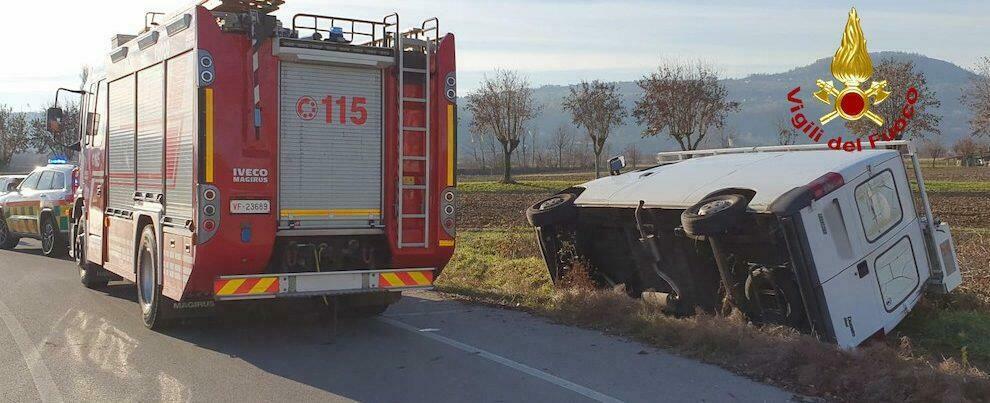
pixel 7 239
pixel 155 309
pixel 365 305
pixel 90 275
pixel 52 242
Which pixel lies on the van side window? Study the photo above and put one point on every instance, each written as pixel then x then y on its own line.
pixel 879 205
pixel 31 182
pixel 58 181
pixel 45 183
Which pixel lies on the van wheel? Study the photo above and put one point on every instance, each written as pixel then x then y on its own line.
pixel 553 210
pixel 7 239
pixel 154 309
pixel 90 275
pixel 52 242
pixel 714 215
pixel 775 297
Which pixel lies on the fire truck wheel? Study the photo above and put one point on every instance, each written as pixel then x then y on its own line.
pixel 7 240
pixel 154 307
pixel 52 242
pixel 90 275
pixel 365 305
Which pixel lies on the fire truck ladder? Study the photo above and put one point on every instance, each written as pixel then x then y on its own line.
pixel 418 40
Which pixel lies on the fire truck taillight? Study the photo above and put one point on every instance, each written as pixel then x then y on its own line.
pixel 447 210
pixel 207 71
pixel 209 217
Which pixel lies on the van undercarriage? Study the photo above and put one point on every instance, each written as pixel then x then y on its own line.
pixel 653 256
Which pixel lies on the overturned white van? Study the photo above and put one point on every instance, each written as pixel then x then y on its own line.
pixel 834 243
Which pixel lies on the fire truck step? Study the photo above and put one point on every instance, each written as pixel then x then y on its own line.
pixel 413 129
pixel 415 216
pixel 414 99
pixel 409 70
pixel 414 187
pixel 413 158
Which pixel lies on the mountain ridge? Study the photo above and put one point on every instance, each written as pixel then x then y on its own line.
pixel 763 102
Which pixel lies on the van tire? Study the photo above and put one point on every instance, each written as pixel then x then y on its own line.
pixel 7 239
pixel 556 209
pixel 713 216
pixel 785 291
pixel 155 310
pixel 52 242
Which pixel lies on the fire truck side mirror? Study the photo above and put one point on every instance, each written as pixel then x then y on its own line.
pixel 55 119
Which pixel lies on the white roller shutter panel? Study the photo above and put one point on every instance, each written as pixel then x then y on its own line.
pixel 330 174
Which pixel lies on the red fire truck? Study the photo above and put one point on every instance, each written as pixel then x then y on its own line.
pixel 226 156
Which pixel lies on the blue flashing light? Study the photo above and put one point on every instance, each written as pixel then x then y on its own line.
pixel 58 159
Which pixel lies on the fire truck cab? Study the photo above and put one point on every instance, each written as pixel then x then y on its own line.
pixel 226 156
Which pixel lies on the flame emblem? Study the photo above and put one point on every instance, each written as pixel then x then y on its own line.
pixel 852 66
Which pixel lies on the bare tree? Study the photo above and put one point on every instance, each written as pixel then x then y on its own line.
pixel 684 101
pixel 13 134
pixel 967 149
pixel 932 148
pixel 976 96
pixel 561 141
pixel 597 107
pixel 900 77
pixel 60 143
pixel 84 73
pixel 786 133
pixel 501 107
pixel 633 155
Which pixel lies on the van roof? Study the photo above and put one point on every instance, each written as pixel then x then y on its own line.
pixel 769 174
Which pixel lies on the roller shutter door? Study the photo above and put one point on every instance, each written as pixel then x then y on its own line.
pixel 330 165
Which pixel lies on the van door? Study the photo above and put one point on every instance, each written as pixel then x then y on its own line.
pixel 879 289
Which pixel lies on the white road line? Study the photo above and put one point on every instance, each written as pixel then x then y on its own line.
pixel 586 392
pixel 47 390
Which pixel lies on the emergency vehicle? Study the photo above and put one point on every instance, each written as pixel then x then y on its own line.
pixel 10 182
pixel 40 207
pixel 228 156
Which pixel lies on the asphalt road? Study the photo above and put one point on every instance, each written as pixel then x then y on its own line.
pixel 62 342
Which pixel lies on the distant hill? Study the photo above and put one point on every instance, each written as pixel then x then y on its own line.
pixel 763 99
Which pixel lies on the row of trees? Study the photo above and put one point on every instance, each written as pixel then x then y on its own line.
pixel 19 132
pixel 687 102
pixel 683 101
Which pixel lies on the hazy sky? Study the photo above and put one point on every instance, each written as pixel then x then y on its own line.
pixel 550 41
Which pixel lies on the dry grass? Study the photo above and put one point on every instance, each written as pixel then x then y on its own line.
pixel 974 257
pixel 878 372
pixel 936 357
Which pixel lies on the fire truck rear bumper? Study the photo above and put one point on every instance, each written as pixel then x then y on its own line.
pixel 290 285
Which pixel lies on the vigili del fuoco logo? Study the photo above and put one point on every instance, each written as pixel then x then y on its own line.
pixel 852 67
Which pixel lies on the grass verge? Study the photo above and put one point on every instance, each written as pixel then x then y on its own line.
pixel 520 186
pixel 950 186
pixel 502 267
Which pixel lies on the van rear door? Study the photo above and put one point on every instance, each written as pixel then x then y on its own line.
pixel 878 289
